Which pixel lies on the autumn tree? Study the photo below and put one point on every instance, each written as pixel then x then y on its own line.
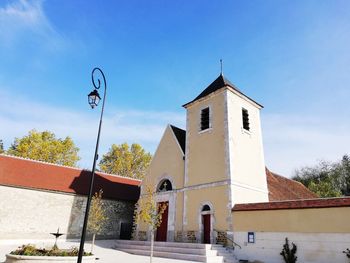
pixel 327 179
pixel 44 146
pixel 126 161
pixel 149 212
pixel 1 147
pixel 97 217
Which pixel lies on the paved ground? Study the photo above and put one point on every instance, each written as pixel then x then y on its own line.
pixel 103 250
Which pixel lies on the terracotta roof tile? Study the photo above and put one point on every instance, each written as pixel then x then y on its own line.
pixel 281 188
pixel 20 172
pixel 295 204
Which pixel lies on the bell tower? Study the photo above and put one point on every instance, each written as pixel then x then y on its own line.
pixel 224 143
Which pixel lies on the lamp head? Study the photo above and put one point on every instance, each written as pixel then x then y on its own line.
pixel 94 98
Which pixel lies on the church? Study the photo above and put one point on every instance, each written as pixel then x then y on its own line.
pixel 213 179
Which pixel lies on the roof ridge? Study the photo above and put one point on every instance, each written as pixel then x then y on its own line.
pixel 64 166
pixel 177 127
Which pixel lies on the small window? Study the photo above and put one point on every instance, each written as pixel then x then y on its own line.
pixel 206 208
pixel 245 118
pixel 205 119
pixel 164 186
pixel 251 237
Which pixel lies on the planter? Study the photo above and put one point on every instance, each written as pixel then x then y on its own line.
pixel 43 259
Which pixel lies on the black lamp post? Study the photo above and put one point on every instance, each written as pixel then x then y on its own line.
pixel 93 99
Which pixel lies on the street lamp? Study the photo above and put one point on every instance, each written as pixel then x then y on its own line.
pixel 93 99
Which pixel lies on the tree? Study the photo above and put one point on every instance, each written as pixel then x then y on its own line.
pixel 149 212
pixel 126 161
pixel 97 216
pixel 327 179
pixel 1 147
pixel 44 146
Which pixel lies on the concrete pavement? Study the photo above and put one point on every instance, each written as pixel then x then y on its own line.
pixel 103 251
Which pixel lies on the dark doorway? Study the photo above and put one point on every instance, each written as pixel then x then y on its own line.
pixel 206 228
pixel 163 228
pixel 125 231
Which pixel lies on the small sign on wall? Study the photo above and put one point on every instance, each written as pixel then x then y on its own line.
pixel 251 237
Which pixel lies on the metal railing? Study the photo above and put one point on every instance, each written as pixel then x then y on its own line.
pixel 234 244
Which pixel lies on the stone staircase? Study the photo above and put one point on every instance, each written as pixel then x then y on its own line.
pixel 175 250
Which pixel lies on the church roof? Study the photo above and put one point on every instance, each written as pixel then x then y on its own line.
pixel 217 84
pixel 180 135
pixel 282 188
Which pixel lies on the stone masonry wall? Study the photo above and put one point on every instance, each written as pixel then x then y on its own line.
pixel 34 214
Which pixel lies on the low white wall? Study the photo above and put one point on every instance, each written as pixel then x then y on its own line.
pixel 34 214
pixel 311 247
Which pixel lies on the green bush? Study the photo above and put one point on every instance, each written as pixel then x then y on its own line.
pixel 289 254
pixel 31 250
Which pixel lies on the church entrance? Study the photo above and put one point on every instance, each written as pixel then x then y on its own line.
pixel 206 228
pixel 162 230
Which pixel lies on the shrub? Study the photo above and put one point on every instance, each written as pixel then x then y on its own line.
pixel 347 253
pixel 289 255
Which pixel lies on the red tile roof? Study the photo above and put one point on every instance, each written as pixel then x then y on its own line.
pixel 295 204
pixel 20 172
pixel 281 188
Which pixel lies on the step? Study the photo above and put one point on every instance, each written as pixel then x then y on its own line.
pixel 198 258
pixel 170 249
pixel 170 244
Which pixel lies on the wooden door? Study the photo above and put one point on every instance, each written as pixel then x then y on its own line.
pixel 163 228
pixel 206 228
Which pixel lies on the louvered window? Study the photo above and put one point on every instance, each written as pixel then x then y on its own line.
pixel 245 118
pixel 205 119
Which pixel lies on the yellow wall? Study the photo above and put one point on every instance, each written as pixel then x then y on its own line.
pixel 314 220
pixel 206 155
pixel 218 197
pixel 167 161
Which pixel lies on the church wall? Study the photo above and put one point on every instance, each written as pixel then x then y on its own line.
pixel 217 198
pixel 206 149
pixel 247 165
pixel 167 162
pixel 321 234
pixel 34 214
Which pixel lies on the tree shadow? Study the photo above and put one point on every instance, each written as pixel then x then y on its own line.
pixel 119 200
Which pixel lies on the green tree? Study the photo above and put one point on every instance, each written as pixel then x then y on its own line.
pixel 44 146
pixel 126 161
pixel 150 212
pixel 1 147
pixel 97 217
pixel 327 179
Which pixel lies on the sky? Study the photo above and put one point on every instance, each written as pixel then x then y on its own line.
pixel 291 56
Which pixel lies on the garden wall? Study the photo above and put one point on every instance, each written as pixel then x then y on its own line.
pixel 34 214
pixel 320 228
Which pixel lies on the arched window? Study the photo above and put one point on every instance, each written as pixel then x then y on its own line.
pixel 164 185
pixel 205 208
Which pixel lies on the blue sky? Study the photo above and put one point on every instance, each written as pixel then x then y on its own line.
pixel 291 56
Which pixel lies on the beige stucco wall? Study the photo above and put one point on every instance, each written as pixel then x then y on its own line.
pixel 167 162
pixel 217 197
pixel 247 164
pixel 206 161
pixel 316 220
pixel 321 234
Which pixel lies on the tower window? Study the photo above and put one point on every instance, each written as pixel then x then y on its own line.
pixel 245 118
pixel 205 119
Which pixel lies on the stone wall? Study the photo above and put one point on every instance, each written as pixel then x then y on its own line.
pixel 34 214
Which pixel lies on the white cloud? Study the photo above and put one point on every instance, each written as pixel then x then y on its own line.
pixel 19 115
pixel 24 18
pixel 293 141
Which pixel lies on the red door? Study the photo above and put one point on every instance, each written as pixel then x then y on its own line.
pixel 163 228
pixel 206 228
